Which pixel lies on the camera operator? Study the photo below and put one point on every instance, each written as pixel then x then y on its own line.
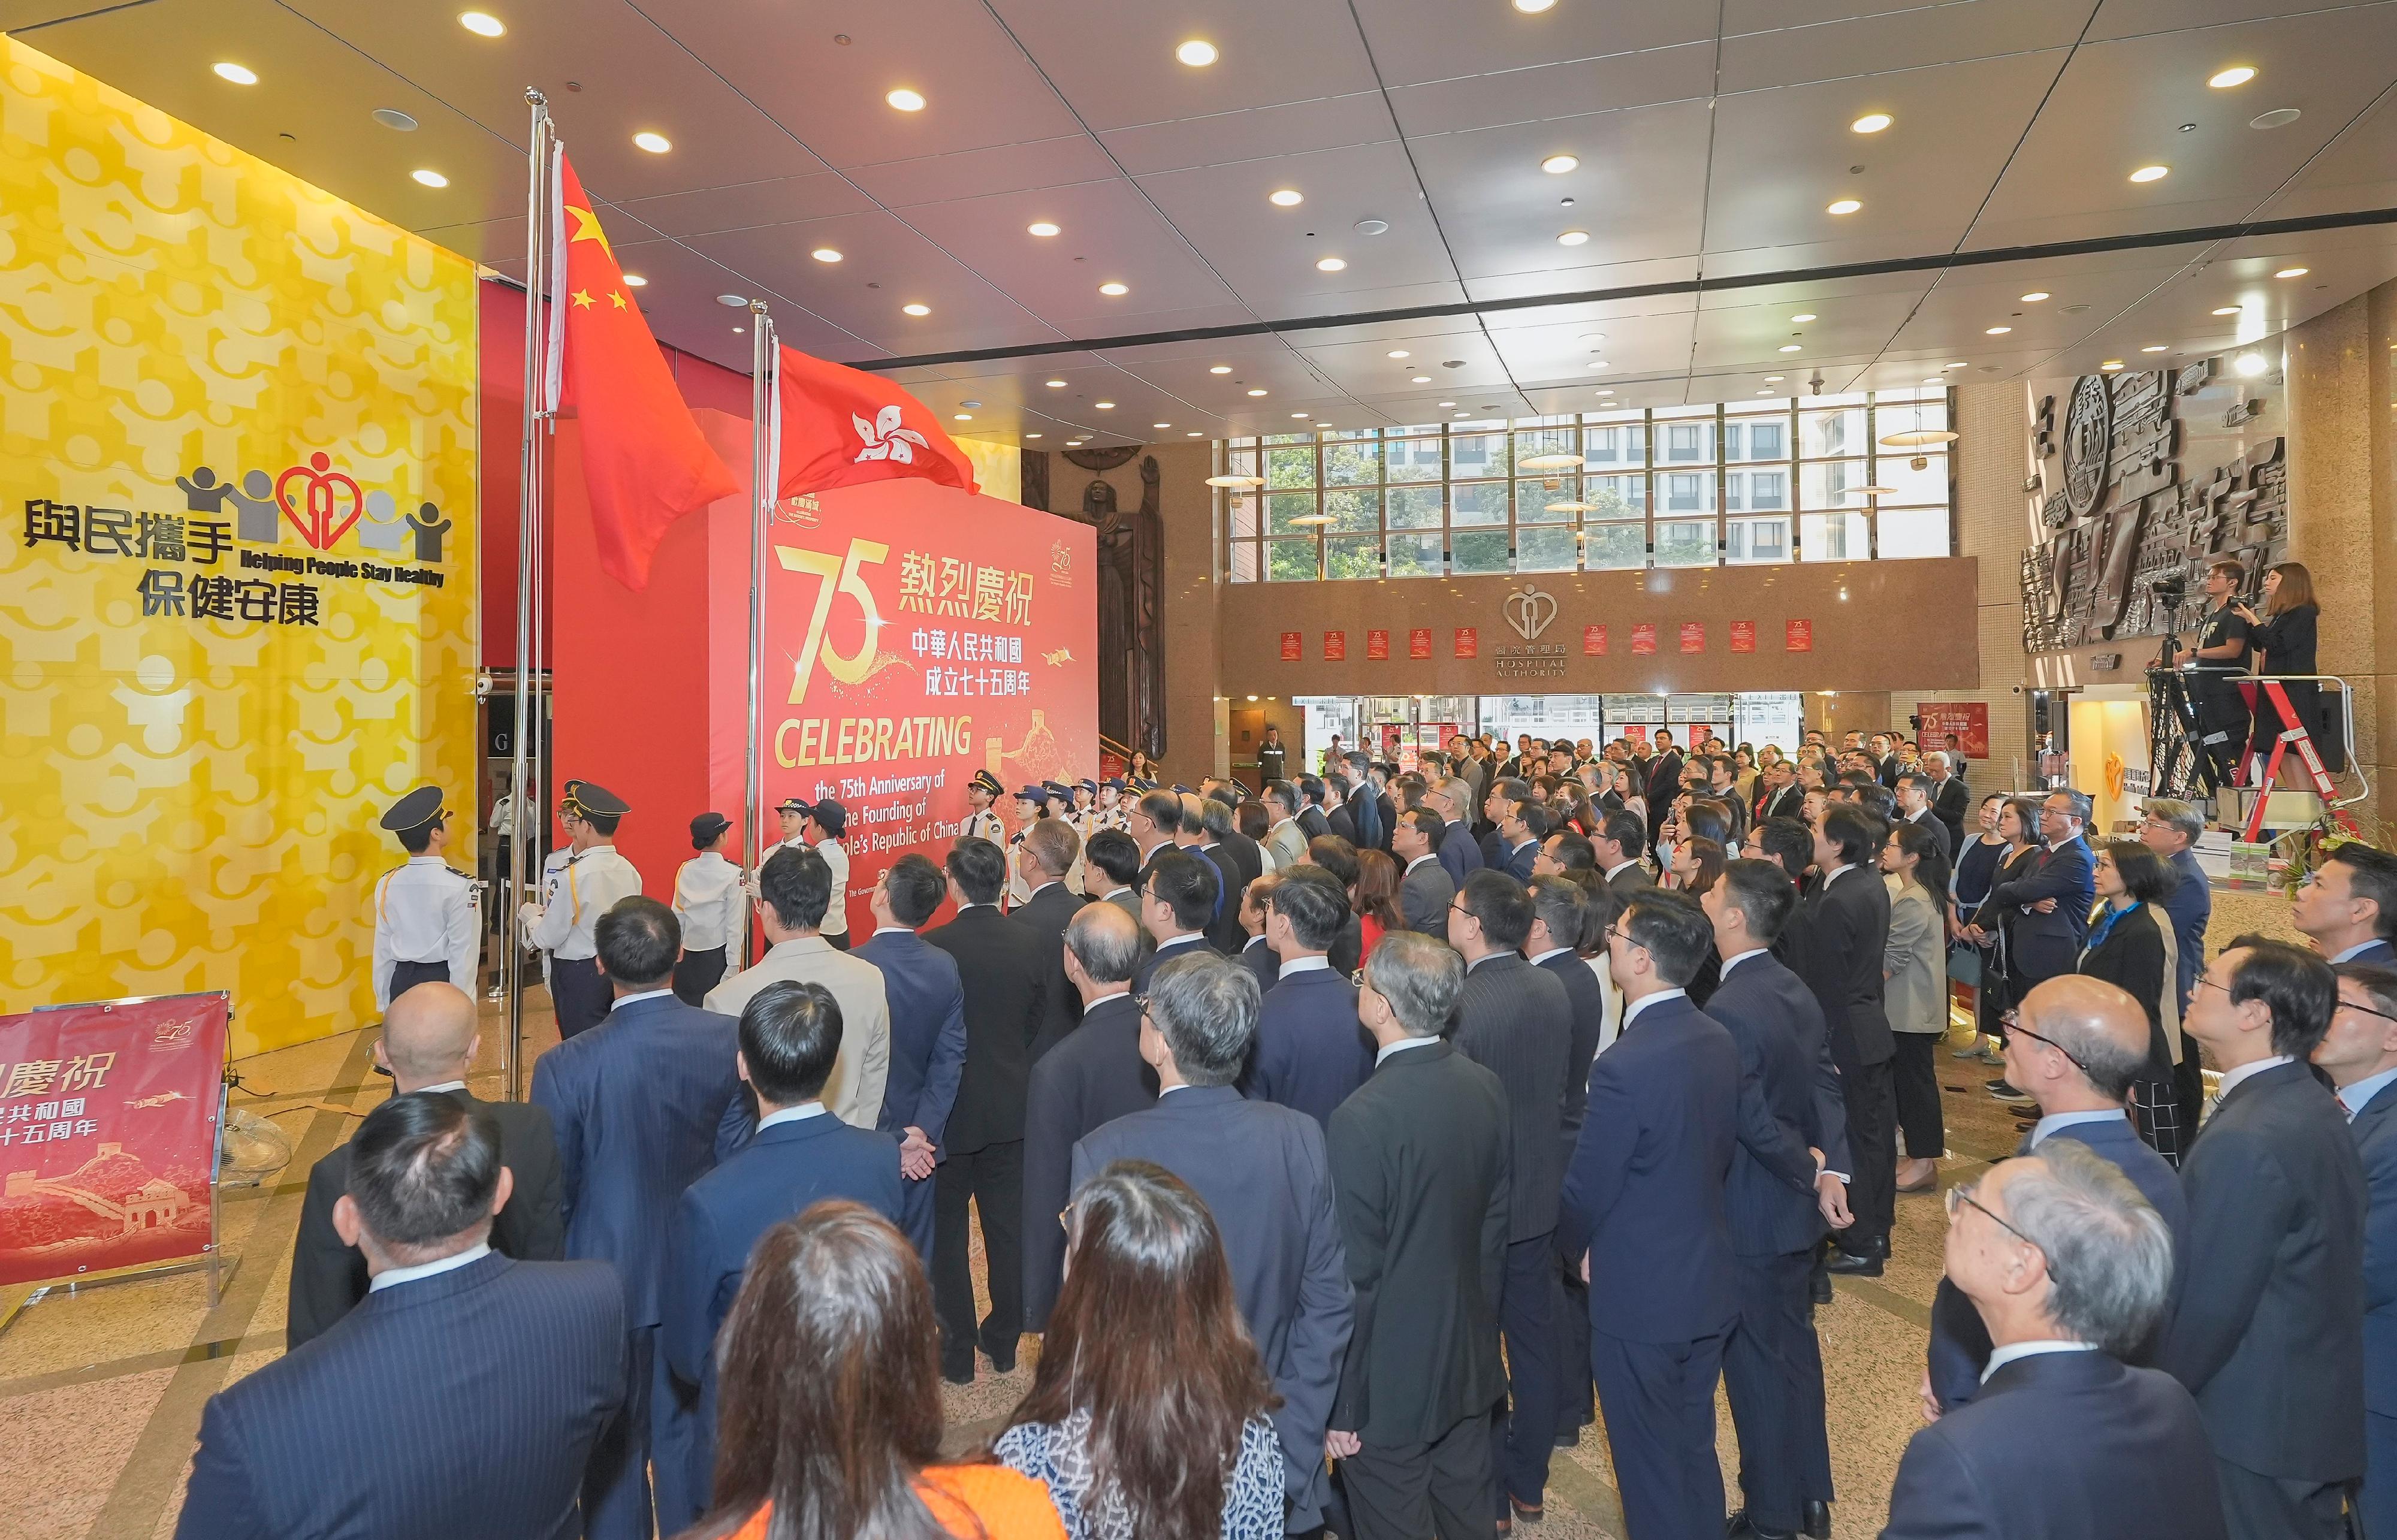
pixel 2220 656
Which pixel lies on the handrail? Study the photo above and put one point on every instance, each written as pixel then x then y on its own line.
pixel 2346 715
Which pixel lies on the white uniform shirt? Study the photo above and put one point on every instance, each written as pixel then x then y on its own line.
pixel 425 911
pixel 984 824
pixel 835 919
pixel 588 886
pixel 1019 890
pixel 709 901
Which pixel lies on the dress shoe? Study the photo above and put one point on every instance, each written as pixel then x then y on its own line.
pixel 2005 1092
pixel 1566 1438
pixel 1818 1518
pixel 1866 1263
pixel 1740 1527
pixel 955 1375
pixel 1818 1287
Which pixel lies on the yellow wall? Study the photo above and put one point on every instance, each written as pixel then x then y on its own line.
pixel 190 803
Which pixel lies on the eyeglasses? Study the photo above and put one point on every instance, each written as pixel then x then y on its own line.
pixel 1961 1195
pixel 1617 932
pixel 2350 1005
pixel 2013 1027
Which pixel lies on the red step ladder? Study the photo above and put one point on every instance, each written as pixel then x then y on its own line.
pixel 2273 693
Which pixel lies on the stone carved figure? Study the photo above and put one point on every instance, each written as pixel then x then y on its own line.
pixel 1131 578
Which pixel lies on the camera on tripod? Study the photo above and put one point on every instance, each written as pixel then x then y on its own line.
pixel 2170 589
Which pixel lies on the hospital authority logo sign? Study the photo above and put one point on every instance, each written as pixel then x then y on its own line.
pixel 1530 612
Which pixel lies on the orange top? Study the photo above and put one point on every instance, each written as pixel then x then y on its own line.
pixel 1005 1505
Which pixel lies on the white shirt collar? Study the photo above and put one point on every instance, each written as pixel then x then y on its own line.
pixel 963 907
pixel 1621 866
pixel 1835 872
pixel 392 1277
pixel 2355 1098
pixel 2000 1356
pixel 1633 1010
pixel 1485 958
pixel 2232 1076
pixel 893 930
pixel 1737 957
pixel 623 1000
pixel 1116 992
pixel 1257 940
pixel 2055 1120
pixel 1417 861
pixel 1185 938
pixel 1400 1047
pixel 452 1085
pixel 2350 955
pixel 1119 888
pixel 1551 952
pixel 1304 965
pixel 1044 886
pixel 799 1113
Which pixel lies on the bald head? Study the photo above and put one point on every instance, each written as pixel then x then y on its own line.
pixel 2096 1023
pixel 1105 942
pixel 428 1036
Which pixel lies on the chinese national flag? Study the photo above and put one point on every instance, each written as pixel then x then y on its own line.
pixel 645 464
pixel 842 426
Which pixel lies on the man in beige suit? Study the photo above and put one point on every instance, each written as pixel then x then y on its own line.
pixel 796 887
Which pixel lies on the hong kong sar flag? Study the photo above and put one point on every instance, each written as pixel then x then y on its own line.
pixel 645 464
pixel 842 426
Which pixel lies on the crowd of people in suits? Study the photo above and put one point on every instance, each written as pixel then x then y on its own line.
pixel 1354 1142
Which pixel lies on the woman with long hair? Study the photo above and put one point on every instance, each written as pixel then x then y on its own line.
pixel 828 1401
pixel 1914 985
pixel 1697 865
pixel 2283 640
pixel 1251 819
pixel 2131 944
pixel 1141 769
pixel 1972 958
pixel 1374 897
pixel 2019 827
pixel 1147 1413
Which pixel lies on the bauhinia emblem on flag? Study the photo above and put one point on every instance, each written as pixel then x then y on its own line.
pixel 842 426
pixel 645 462
pixel 885 439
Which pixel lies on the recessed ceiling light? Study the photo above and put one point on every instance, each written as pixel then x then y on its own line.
pixel 2279 117
pixel 1161 424
pixel 1845 206
pixel 1557 165
pixel 976 404
pixel 1790 347
pixel 1459 414
pixel 2247 366
pixel 1114 290
pixel 1959 364
pixel 1299 416
pixel 1419 380
pixel 1198 53
pixel 2111 364
pixel 1998 332
pixel 1764 392
pixel 1105 406
pixel 240 74
pixel 656 145
pixel 1256 392
pixel 1774 379
pixel 2293 272
pixel 1032 436
pixel 1606 393
pixel 1194 434
pixel 2154 347
pixel 962 417
pixel 634 280
pixel 1054 384
pixel 1396 353
pixel 1599 364
pixel 1221 369
pixel 733 302
pixel 1872 123
pixel 824 254
pixel 2226 310
pixel 740 331
pixel 1802 317
pixel 916 310
pixel 1534 8
pixel 2238 74
pixel 481 23
pixel 394 119
pixel 1287 198
pixel 1448 402
pixel 1934 380
pixel 2035 296
pixel 2151 173
pixel 1329 264
pixel 430 178
pixel 1074 443
pixel 1044 228
pixel 1572 237
pixel 905 100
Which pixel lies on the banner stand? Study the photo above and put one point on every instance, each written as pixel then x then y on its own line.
pixel 15 1297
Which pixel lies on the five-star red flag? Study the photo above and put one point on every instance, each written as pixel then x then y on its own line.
pixel 842 426
pixel 645 462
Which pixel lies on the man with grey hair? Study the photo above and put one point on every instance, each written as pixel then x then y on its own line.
pixel 2070 1269
pixel 1420 1166
pixel 1095 1075
pixel 1285 842
pixel 1214 821
pixel 1263 1170
pixel 1950 800
pixel 1459 852
pixel 2169 827
pixel 2076 1045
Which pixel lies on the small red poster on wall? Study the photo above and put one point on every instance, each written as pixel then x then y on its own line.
pixel 1419 642
pixel 1377 645
pixel 1335 646
pixel 1802 636
pixel 1643 638
pixel 1693 635
pixel 1743 636
pixel 1293 646
pixel 1468 641
pixel 1593 641
pixel 1966 721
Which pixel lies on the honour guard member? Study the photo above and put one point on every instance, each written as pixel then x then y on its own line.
pixel 591 882
pixel 984 822
pixel 1030 804
pixel 1110 813
pixel 426 927
pixel 709 901
pixel 794 814
pixel 1057 801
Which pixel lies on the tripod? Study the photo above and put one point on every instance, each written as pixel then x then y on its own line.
pixel 2179 765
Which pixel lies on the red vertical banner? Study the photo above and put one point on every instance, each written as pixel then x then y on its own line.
pixel 1377 645
pixel 1335 646
pixel 1468 642
pixel 1801 637
pixel 108 1127
pixel 1419 642
pixel 1743 636
pixel 1294 647
pixel 1643 638
pixel 1693 635
pixel 1593 641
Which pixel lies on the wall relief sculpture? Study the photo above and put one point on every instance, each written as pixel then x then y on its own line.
pixel 1131 582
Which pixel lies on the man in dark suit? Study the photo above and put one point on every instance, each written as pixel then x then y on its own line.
pixel 1263 1173
pixel 1111 854
pixel 1459 851
pixel 984 1163
pixel 1847 927
pixel 1419 1167
pixel 1618 844
pixel 1337 858
pixel 1256 954
pixel 644 1104
pixel 2358 1052
pixel 1311 1050
pixel 462 1398
pixel 1094 1077
pixel 1503 794
pixel 1644 1205
pixel 1951 801
pixel 790 1036
pixel 2268 1315
pixel 1914 792
pixel 1049 850
pixel 1223 926
pixel 1780 1197
pixel 2069 1267
pixel 1175 892
pixel 2078 1045
pixel 1566 917
pixel 1517 1021
pixel 1520 832
pixel 2348 907
pixel 1339 792
pixel 1664 783
pixel 1782 797
pixel 1312 818
pixel 1246 854
pixel 1425 888
pixel 2050 900
pixel 928 1033
pixel 428 1042
pixel 1386 812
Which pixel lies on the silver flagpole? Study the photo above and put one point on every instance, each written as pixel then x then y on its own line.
pixel 525 805
pixel 764 475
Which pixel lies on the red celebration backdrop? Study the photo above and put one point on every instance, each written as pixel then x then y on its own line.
pixel 1969 720
pixel 108 1135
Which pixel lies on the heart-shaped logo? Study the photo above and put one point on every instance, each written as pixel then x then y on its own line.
pixel 1530 611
